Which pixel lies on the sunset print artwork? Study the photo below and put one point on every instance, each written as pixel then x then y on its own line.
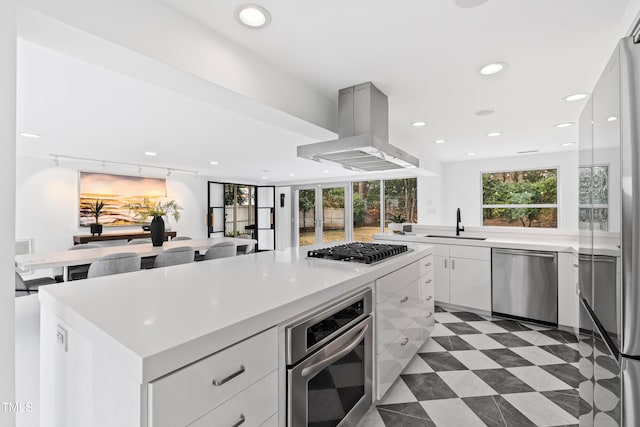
pixel 116 191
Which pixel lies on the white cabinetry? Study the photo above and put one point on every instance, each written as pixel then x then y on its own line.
pixel 462 276
pixel 404 318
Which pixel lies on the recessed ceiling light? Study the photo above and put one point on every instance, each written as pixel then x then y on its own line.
pixel 253 16
pixel 440 141
pixel 471 154
pixel 566 144
pixel 214 163
pixel 564 125
pixel 264 177
pixel 419 124
pixel 483 113
pixel 494 134
pixel 612 119
pixel 325 171
pixel 292 174
pixel 493 68
pixel 575 97
pixel 150 153
pixel 30 135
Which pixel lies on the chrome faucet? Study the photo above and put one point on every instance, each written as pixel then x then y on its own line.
pixel 459 226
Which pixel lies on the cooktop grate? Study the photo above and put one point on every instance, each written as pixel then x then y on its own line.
pixel 365 253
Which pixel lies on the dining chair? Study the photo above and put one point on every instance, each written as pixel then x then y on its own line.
pixel 28 287
pixel 138 241
pixel 124 262
pixel 244 249
pixel 220 250
pixel 181 238
pixel 175 256
pixel 76 272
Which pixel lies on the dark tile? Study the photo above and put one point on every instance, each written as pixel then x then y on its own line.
pixel 439 309
pixel 508 339
pixel 428 386
pixel 443 361
pixel 453 343
pixel 506 358
pixel 413 409
pixel 503 381
pixel 567 373
pixel 461 328
pixel 511 325
pixel 569 400
pixel 565 353
pixel 468 317
pixel 496 411
pixel 562 336
pixel 395 419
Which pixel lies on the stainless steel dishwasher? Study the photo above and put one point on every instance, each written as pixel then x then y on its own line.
pixel 525 284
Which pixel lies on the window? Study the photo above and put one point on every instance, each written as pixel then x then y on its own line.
pixel 239 210
pixel 527 198
pixel 594 197
pixel 400 200
pixel 366 210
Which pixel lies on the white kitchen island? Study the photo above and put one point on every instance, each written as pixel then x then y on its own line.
pixel 111 346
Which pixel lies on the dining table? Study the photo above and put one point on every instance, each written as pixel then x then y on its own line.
pixel 66 259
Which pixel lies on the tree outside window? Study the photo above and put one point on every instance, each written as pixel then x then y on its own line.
pixel 594 197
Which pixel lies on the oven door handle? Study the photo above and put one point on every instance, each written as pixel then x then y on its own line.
pixel 310 371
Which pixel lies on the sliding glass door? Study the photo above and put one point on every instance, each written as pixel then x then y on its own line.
pixel 306 216
pixel 322 213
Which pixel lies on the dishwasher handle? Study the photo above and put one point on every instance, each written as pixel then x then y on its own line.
pixel 525 253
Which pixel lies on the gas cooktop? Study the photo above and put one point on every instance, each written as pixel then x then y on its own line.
pixel 364 253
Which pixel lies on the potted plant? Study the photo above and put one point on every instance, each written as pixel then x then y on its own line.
pixel 158 210
pixel 96 210
pixel 396 223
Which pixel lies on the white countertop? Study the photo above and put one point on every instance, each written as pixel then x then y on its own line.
pixel 154 321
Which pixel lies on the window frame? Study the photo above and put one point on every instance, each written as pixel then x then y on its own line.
pixel 558 170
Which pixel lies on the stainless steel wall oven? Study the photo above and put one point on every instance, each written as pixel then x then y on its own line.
pixel 329 364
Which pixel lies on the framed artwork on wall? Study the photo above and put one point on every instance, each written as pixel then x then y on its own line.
pixel 116 191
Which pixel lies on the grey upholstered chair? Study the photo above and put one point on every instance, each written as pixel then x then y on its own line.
pixel 138 241
pixel 124 262
pixel 175 256
pixel 181 238
pixel 220 250
pixel 76 272
pixel 27 287
pixel 244 249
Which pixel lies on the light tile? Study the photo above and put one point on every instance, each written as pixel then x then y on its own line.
pixel 535 338
pixel 417 366
pixel 398 393
pixel 537 356
pixel 441 331
pixel 473 359
pixel 451 412
pixel 447 318
pixel 539 409
pixel 430 346
pixel 466 384
pixel 371 419
pixel 481 342
pixel 539 379
pixel 487 327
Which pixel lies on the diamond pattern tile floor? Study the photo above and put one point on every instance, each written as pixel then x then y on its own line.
pixel 482 371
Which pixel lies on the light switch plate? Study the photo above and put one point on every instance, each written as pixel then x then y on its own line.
pixel 62 338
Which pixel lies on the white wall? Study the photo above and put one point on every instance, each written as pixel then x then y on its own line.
pixel 462 186
pixel 283 218
pixel 47 202
pixel 8 188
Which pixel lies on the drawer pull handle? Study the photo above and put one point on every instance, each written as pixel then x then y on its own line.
pixel 429 298
pixel 428 281
pixel 218 383
pixel 430 314
pixel 405 299
pixel 404 342
pixel 240 421
pixel 428 264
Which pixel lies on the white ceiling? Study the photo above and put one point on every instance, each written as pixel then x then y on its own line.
pixel 423 55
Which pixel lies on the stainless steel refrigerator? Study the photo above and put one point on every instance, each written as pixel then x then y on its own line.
pixel 609 250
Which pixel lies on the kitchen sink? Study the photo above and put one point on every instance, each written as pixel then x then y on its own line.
pixel 455 237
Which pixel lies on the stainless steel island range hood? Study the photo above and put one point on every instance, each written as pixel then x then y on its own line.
pixel 363 130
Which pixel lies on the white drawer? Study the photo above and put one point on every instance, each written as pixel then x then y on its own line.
pixel 440 250
pixel 189 393
pixel 255 405
pixel 426 265
pixel 271 422
pixel 470 252
pixel 393 282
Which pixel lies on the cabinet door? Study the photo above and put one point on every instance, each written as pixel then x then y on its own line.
pixel 470 283
pixel 441 278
